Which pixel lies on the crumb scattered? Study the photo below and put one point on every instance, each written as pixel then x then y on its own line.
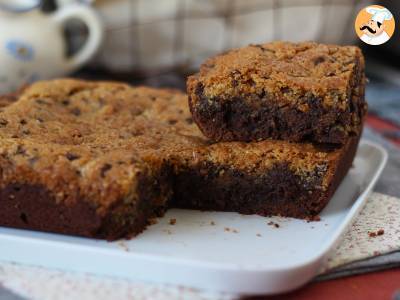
pixel 172 221
pixel 376 233
pixel 153 221
pixel 276 225
pixel 167 231
pixel 376 253
pixel 227 229
pixel 259 235
pixel 212 223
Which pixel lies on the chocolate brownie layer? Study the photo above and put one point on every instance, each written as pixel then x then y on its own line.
pixel 101 159
pixel 290 91
pixel 29 206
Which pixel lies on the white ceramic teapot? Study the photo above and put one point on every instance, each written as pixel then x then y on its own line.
pixel 32 43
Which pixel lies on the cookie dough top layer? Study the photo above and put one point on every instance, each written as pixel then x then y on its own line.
pixel 283 70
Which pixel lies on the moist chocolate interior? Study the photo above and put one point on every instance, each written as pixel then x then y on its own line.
pixel 276 192
pixel 34 207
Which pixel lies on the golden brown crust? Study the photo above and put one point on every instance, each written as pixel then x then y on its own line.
pixel 322 70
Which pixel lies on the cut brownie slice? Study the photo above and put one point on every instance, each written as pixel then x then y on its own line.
pixel 301 92
pixel 102 159
pixel 81 158
pixel 265 178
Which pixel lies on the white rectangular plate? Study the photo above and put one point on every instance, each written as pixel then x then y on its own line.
pixel 212 250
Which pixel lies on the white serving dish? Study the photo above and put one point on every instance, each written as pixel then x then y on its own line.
pixel 251 257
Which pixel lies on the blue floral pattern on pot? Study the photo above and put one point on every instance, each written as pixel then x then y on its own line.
pixel 20 50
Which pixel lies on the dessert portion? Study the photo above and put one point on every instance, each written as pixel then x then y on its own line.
pixel 265 178
pixel 70 160
pixel 300 92
pixel 101 159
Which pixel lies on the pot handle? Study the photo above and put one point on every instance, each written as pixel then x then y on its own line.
pixel 95 32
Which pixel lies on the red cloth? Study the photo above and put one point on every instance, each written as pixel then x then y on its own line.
pixel 386 128
pixel 378 285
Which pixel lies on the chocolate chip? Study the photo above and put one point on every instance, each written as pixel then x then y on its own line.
pixel 41 102
pixel 76 111
pixel 172 122
pixel 104 169
pixel 199 89
pixel 22 122
pixel 20 150
pixel 235 72
pixel 33 160
pixel 26 131
pixel 71 156
pixel 250 82
pixel 77 135
pixel 318 60
pixel 3 122
pixel 285 90
pixel 65 102
pixel 189 120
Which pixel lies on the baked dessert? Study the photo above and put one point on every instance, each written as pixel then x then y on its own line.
pixel 301 92
pixel 265 178
pixel 102 159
